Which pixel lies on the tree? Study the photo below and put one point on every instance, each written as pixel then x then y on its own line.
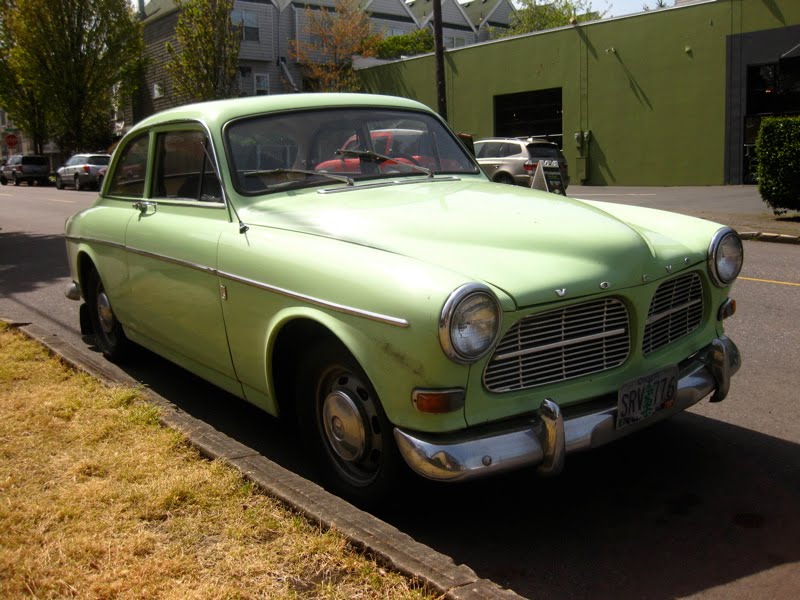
pixel 67 57
pixel 21 102
pixel 203 65
pixel 659 4
pixel 538 15
pixel 409 44
pixel 335 36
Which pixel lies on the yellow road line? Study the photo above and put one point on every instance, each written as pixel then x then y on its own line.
pixel 770 281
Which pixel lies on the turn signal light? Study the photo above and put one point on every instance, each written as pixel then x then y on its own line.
pixel 728 309
pixel 438 401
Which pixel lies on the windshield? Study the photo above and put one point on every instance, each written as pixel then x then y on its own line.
pixel 298 149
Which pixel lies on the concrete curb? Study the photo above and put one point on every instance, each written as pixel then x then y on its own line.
pixel 387 544
pixel 761 236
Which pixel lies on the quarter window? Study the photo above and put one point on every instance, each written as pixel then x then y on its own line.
pixel 128 177
pixel 183 169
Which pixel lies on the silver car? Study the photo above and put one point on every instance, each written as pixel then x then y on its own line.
pixel 81 171
pixel 514 160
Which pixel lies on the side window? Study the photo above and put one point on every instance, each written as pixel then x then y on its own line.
pixel 129 172
pixel 183 169
pixel 487 150
pixel 509 149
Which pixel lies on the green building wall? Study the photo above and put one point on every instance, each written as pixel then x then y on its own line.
pixel 652 89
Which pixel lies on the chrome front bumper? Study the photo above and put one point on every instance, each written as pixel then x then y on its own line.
pixel 547 437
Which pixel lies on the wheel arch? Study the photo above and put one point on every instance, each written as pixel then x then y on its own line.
pixel 292 335
pixel 503 176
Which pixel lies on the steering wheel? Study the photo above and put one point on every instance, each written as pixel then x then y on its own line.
pixel 404 156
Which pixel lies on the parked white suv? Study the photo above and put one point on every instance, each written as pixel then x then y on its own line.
pixel 81 170
pixel 514 160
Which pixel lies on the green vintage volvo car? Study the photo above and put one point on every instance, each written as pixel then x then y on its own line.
pixel 343 260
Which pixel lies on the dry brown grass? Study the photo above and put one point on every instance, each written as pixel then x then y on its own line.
pixel 97 500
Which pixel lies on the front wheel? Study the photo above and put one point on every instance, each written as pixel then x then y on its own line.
pixel 344 424
pixel 107 330
pixel 59 183
pixel 78 186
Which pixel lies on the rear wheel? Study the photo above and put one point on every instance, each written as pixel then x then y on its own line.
pixel 78 187
pixel 107 330
pixel 343 421
pixel 504 178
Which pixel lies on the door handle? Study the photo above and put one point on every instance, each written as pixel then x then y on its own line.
pixel 143 207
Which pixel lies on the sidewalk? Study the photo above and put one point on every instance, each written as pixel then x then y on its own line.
pixel 739 206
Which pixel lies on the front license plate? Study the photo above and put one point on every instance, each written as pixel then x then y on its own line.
pixel 642 397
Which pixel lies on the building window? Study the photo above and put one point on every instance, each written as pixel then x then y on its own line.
pixel 248 21
pixel 454 42
pixel 262 84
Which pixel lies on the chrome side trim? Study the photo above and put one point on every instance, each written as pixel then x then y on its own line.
pixel 174 261
pixel 389 320
pixel 350 310
pixel 488 450
pixel 90 240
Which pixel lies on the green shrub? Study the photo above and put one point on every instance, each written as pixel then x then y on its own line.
pixel 778 173
pixel 409 44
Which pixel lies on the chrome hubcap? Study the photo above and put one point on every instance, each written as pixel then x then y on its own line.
pixel 104 312
pixel 344 426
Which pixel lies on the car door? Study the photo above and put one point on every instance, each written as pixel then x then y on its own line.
pixel 172 256
pixel 488 157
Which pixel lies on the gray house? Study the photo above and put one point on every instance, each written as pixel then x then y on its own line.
pixel 268 27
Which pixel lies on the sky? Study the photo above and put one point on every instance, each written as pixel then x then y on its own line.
pixel 617 8
pixel 613 8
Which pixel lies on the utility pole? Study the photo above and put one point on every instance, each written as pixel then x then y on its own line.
pixel 441 90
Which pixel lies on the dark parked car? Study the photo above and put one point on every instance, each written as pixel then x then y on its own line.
pixel 81 171
pixel 514 160
pixel 30 168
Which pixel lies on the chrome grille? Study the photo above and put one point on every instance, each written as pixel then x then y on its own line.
pixel 676 311
pixel 560 344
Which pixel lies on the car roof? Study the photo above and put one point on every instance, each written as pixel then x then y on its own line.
pixel 218 112
pixel 519 140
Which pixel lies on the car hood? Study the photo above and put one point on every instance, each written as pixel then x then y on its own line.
pixel 535 246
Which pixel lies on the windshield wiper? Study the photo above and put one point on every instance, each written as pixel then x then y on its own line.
pixel 381 158
pixel 342 178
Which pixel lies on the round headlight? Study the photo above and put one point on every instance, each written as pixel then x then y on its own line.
pixel 470 323
pixel 725 257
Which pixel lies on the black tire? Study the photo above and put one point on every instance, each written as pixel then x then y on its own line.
pixel 108 333
pixel 78 186
pixel 3 180
pixel 356 451
pixel 16 181
pixel 504 178
pixel 59 183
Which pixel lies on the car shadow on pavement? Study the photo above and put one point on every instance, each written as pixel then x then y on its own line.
pixel 688 505
pixel 28 260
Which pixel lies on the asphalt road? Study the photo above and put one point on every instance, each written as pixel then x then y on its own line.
pixel 705 505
